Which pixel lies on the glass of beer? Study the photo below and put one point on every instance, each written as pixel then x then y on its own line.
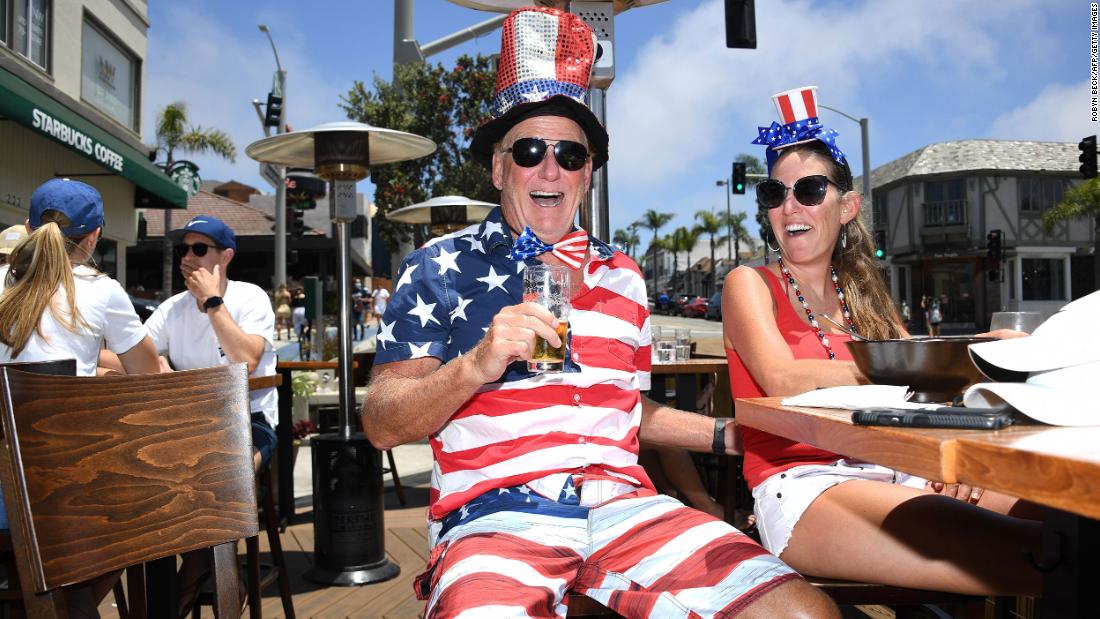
pixel 548 286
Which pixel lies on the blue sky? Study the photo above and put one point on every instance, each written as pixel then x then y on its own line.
pixel 682 106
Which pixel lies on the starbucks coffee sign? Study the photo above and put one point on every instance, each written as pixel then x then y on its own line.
pixel 75 138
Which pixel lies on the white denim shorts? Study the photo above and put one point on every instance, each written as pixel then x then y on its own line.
pixel 783 497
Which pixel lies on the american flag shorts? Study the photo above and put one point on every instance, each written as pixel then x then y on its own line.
pixel 514 553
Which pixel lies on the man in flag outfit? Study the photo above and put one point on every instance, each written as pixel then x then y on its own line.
pixel 537 492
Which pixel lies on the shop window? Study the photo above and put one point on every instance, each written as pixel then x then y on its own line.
pixel 25 28
pixel 108 76
pixel 106 257
pixel 1043 279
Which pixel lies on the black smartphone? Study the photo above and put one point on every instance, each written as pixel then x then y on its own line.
pixel 944 417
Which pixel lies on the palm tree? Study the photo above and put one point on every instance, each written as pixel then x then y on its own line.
pixel 736 223
pixel 175 133
pixel 625 239
pixel 1081 201
pixel 712 225
pixel 681 240
pixel 652 220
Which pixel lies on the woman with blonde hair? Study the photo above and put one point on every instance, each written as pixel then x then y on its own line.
pixel 785 328
pixel 55 306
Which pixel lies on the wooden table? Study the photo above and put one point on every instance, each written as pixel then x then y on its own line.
pixel 1053 466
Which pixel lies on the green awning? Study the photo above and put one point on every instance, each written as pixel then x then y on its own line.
pixel 26 105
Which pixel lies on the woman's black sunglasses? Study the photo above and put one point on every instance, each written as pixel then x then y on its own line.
pixel 199 249
pixel 808 190
pixel 529 152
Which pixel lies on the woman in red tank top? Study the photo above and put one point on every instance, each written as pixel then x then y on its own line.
pixel 779 343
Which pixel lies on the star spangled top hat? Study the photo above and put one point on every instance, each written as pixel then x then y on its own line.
pixel 798 110
pixel 546 58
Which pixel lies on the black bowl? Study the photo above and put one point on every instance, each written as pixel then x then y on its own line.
pixel 936 369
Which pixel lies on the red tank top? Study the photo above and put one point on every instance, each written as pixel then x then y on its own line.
pixel 767 454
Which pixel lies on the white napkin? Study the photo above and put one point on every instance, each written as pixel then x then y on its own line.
pixel 857 396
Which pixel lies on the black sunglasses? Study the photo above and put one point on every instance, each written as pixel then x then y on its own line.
pixel 808 190
pixel 529 152
pixel 199 249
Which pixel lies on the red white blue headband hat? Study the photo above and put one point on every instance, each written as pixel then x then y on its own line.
pixel 546 58
pixel 798 110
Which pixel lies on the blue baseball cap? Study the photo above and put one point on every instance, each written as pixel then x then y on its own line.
pixel 79 202
pixel 208 226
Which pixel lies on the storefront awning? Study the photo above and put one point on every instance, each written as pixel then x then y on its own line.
pixel 26 105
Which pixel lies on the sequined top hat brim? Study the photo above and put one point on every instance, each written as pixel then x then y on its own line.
pixel 545 66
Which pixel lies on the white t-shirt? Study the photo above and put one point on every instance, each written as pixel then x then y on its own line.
pixel 381 299
pixel 104 306
pixel 179 329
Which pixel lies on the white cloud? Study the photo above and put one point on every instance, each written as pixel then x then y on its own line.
pixel 217 71
pixel 1059 112
pixel 685 94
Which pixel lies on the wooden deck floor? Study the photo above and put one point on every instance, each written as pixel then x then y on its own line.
pixel 406 545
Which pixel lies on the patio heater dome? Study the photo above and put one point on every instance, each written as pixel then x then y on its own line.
pixel 337 151
pixel 443 213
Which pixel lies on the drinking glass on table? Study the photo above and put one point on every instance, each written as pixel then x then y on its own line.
pixel 548 286
pixel 657 333
pixel 1017 321
pixel 683 344
pixel 666 350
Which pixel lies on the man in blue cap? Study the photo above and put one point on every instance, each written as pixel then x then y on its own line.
pixel 218 321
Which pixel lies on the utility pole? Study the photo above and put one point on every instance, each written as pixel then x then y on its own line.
pixel 278 88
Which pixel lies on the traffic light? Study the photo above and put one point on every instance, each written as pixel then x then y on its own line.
pixel 297 226
pixel 1087 157
pixel 993 253
pixel 737 180
pixel 274 113
pixel 880 244
pixel 740 24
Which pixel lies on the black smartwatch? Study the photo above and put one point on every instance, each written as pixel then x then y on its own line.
pixel 211 302
pixel 718 443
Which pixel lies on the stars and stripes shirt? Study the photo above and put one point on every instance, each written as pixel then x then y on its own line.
pixel 525 428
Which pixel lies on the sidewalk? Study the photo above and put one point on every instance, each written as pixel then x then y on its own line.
pixel 414 466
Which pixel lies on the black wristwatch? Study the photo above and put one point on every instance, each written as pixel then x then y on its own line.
pixel 211 302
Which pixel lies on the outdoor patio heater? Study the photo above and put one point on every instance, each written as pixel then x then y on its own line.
pixel 600 16
pixel 348 528
pixel 443 214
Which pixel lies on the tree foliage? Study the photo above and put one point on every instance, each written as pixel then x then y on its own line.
pixel 443 105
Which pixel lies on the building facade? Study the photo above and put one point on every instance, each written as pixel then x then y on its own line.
pixel 936 209
pixel 71 82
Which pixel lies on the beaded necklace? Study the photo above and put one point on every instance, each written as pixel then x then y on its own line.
pixel 810 314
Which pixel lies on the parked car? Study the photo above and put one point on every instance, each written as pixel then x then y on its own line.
pixel 695 308
pixel 714 307
pixel 678 303
pixel 144 307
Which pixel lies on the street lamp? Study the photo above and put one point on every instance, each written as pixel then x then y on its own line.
pixel 725 182
pixel 348 528
pixel 280 187
pixel 866 139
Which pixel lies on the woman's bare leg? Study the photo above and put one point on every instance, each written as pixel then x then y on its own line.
pixel 877 532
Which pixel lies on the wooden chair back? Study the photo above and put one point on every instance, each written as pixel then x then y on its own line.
pixel 102 473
